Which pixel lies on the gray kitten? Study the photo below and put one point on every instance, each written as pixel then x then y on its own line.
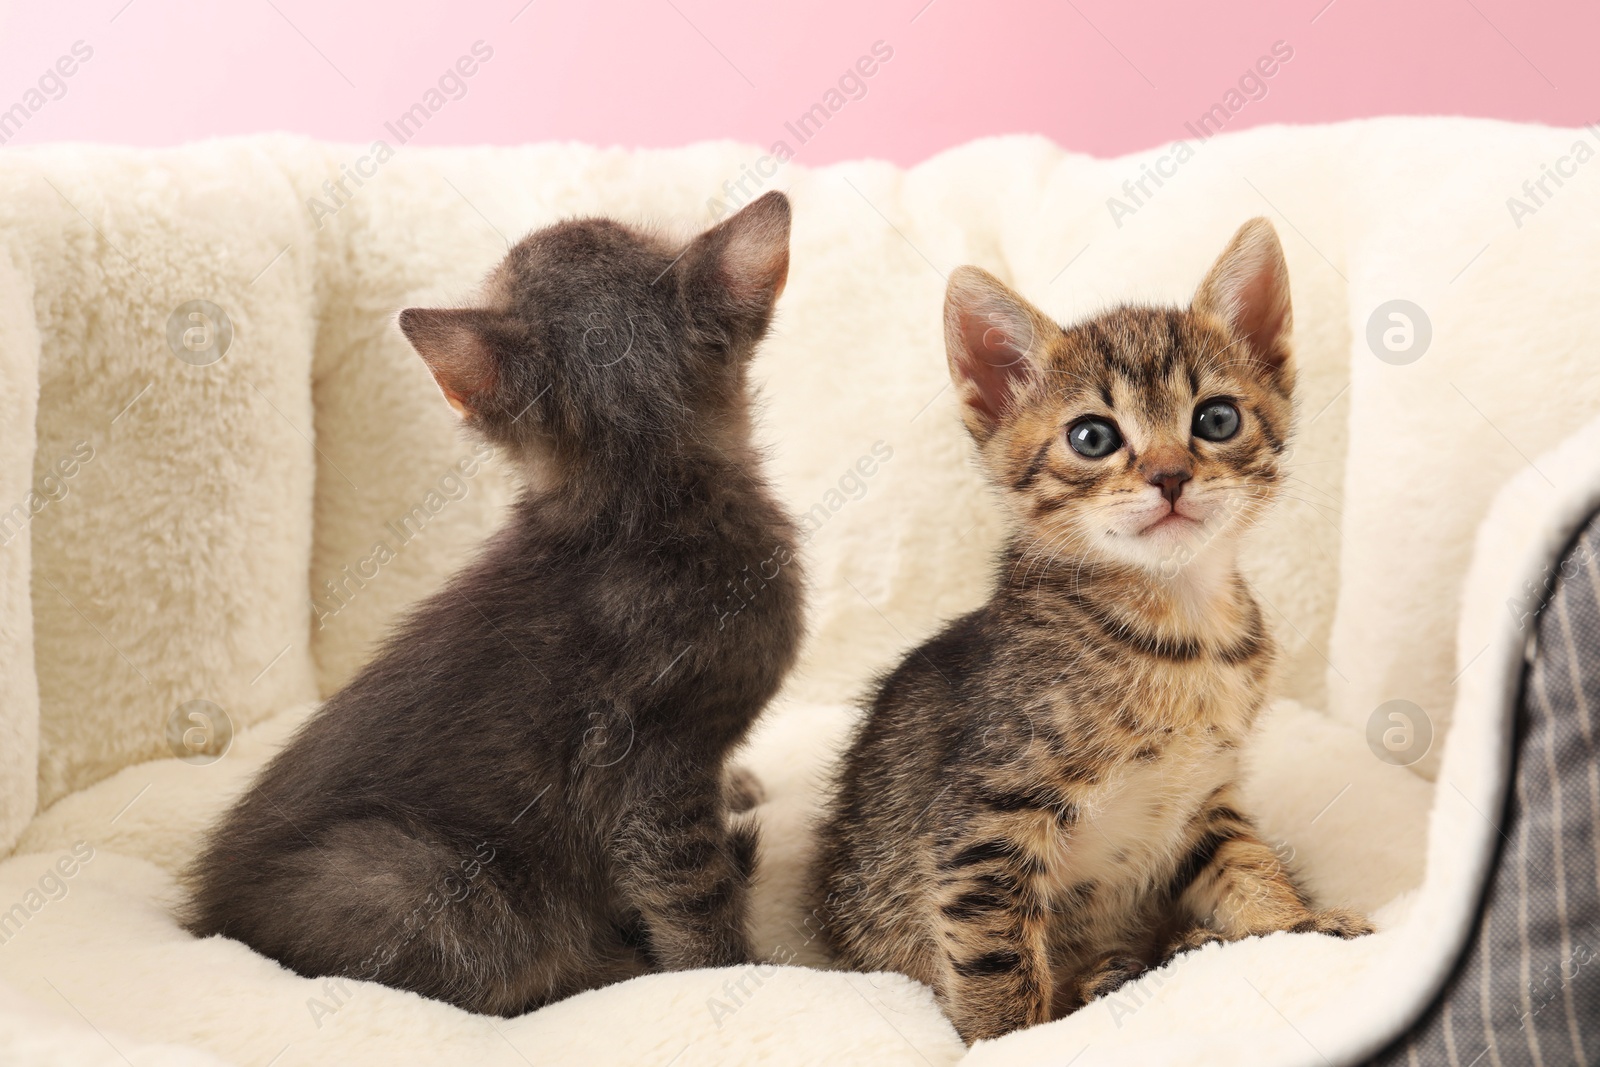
pixel 521 797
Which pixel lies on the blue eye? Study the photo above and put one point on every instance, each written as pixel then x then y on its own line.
pixel 1216 420
pixel 1094 438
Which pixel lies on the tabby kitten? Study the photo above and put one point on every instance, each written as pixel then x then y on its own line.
pixel 1042 800
pixel 521 797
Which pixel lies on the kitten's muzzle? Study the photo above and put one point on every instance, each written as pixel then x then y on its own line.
pixel 1170 482
pixel 1166 466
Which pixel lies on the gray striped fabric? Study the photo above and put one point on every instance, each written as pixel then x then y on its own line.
pixel 1527 988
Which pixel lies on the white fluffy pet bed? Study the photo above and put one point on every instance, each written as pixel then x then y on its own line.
pixel 241 531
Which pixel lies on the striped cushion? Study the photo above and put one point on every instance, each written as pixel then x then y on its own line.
pixel 1527 989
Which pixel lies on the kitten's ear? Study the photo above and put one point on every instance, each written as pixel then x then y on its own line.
pixel 1248 288
pixel 745 258
pixel 452 343
pixel 992 340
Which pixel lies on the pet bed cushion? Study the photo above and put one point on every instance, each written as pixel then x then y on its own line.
pixel 1527 987
pixel 223 543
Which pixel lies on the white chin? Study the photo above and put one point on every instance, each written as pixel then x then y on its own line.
pixel 1164 545
pixel 1171 529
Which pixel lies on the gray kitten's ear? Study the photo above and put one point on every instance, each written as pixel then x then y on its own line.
pixel 451 342
pixel 747 255
pixel 1248 289
pixel 992 341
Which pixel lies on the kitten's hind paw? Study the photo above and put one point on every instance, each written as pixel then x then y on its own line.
pixel 742 790
pixel 1335 922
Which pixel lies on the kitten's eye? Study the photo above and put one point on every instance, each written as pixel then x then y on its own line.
pixel 1217 420
pixel 1094 438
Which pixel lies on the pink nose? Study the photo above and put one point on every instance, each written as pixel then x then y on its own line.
pixel 1170 482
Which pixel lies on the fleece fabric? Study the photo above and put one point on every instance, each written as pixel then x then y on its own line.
pixel 19 689
pixel 241 527
pixel 1526 986
pixel 169 570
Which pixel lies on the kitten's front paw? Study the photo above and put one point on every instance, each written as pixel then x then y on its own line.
pixel 986 1025
pixel 1109 975
pixel 1191 939
pixel 742 790
pixel 1335 922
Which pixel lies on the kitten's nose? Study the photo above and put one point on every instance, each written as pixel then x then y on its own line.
pixel 1170 482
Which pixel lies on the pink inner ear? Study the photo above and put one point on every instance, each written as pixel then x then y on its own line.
pixel 748 254
pixel 454 351
pixel 1248 288
pixel 756 269
pixel 1261 312
pixel 993 359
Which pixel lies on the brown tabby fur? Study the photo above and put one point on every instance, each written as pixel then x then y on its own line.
pixel 1042 800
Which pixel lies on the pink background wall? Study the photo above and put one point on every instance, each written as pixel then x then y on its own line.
pixel 1102 76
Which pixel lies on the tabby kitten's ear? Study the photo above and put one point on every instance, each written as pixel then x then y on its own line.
pixel 1248 289
pixel 453 344
pixel 992 340
pixel 738 268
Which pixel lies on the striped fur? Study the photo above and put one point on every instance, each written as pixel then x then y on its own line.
pixel 1041 800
